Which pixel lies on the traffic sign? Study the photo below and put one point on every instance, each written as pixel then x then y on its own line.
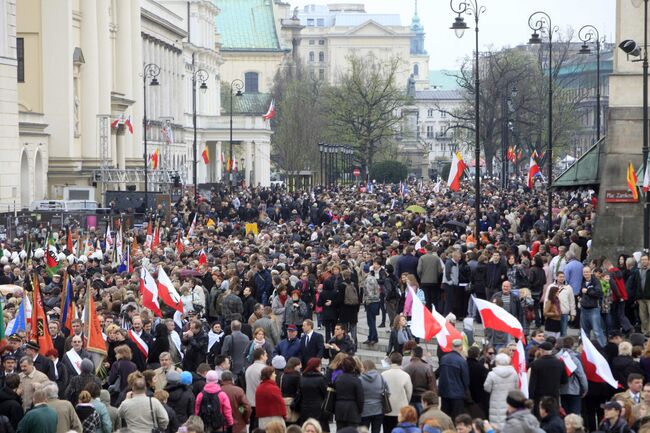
pixel 356 172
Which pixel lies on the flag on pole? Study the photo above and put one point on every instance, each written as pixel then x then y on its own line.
pixel 458 166
pixel 533 171
pixel 495 317
pixel 190 232
pixel 149 291
pixel 52 261
pixel 67 306
pixel 595 365
pixel 39 329
pixel 154 159
pixel 179 244
pixel 206 155
pixel 167 291
pixel 632 181
pixel 228 166
pixel 270 114
pixel 234 165
pixel 19 324
pixel 423 324
pixel 519 364
pixel 646 179
pixel 203 258
pixel 129 125
pixel 569 365
pixel 93 330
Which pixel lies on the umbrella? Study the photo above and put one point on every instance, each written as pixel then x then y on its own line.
pixel 6 289
pixel 455 225
pixel 416 209
pixel 189 273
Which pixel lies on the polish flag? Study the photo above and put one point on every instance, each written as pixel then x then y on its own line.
pixel 448 333
pixel 270 114
pixel 569 365
pixel 495 317
pixel 115 123
pixel 149 291
pixel 458 166
pixel 179 244
pixel 167 292
pixel 423 324
pixel 596 366
pixel 190 232
pixel 519 364
pixel 646 179
pixel 532 172
pixel 234 165
pixel 203 258
pixel 129 125
pixel 223 158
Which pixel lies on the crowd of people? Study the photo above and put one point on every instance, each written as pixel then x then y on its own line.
pixel 271 285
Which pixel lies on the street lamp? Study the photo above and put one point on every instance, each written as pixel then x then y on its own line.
pixel 506 109
pixel 540 21
pixel 321 149
pixel 337 148
pixel 631 48
pixel 471 7
pixel 151 70
pixel 235 85
pixel 588 34
pixel 199 76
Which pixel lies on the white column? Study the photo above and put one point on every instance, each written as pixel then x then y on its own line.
pixel 217 159
pixel 248 160
pixel 136 65
pixel 263 164
pixel 105 79
pixel 120 149
pixel 89 74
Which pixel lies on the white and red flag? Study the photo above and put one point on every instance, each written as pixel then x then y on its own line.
pixel 533 171
pixel 456 171
pixel 270 114
pixel 498 319
pixel 519 364
pixel 569 365
pixel 167 291
pixel 149 291
pixel 427 324
pixel 595 365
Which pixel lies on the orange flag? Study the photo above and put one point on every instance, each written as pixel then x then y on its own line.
pixel 39 328
pixel 632 181
pixel 93 330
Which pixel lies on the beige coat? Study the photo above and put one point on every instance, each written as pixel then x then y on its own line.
pixel 67 416
pixel 161 377
pixel 400 387
pixel 27 386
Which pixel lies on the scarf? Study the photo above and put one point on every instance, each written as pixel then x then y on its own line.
pixel 258 344
pixel 283 298
pixel 213 337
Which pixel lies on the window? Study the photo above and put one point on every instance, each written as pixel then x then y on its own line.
pixel 321 74
pixel 312 42
pixel 416 70
pixel 430 112
pixel 311 56
pixel 321 56
pixel 443 114
pixel 429 131
pixel 20 55
pixel 310 22
pixel 321 42
pixel 320 22
pixel 251 82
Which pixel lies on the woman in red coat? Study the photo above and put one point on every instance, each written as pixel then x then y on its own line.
pixel 269 404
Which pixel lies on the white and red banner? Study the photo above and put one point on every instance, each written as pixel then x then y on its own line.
pixel 427 324
pixel 149 291
pixel 519 364
pixel 144 348
pixel 167 291
pixel 533 171
pixel 458 166
pixel 270 114
pixel 569 365
pixel 498 319
pixel 595 365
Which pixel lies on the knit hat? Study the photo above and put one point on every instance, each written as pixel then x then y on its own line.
pixel 173 377
pixel 279 362
pixel 186 378
pixel 87 366
pixel 211 377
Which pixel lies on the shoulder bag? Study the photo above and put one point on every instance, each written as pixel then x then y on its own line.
pixel 156 428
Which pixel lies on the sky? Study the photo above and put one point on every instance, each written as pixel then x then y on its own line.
pixel 504 23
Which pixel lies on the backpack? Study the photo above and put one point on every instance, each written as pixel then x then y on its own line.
pixel 351 295
pixel 372 288
pixel 210 412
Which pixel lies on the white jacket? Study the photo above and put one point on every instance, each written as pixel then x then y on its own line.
pixel 501 380
pixel 400 387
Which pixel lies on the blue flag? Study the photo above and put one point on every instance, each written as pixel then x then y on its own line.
pixel 20 324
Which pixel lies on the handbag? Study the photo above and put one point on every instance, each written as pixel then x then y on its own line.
pixel 292 415
pixel 114 388
pixel 156 428
pixel 385 399
pixel 330 401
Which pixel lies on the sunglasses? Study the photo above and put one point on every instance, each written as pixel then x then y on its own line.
pixel 490 353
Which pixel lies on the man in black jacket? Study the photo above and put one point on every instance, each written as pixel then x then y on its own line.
pixel 197 346
pixel 548 414
pixel 11 405
pixel 42 364
pixel 590 295
pixel 547 373
pixel 312 344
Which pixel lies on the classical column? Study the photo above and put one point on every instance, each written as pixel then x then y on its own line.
pixel 135 51
pixel 104 50
pixel 120 154
pixel 248 160
pixel 89 72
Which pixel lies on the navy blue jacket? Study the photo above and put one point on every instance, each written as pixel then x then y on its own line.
pixel 288 349
pixel 453 376
pixel 407 263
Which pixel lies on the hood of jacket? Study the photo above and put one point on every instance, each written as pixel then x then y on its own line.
pixel 175 391
pixel 504 371
pixel 526 419
pixel 211 388
pixel 370 376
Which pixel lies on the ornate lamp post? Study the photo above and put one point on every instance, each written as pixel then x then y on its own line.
pixel 150 71
pixel 589 34
pixel 540 21
pixel 200 76
pixel 471 7
pixel 235 85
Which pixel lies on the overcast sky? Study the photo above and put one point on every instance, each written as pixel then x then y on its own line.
pixel 505 22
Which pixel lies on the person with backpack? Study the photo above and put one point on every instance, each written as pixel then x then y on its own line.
pixel 349 311
pixel 371 301
pixel 213 405
pixel 331 299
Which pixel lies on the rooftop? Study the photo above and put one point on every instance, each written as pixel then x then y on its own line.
pixel 246 104
pixel 443 79
pixel 438 95
pixel 247 25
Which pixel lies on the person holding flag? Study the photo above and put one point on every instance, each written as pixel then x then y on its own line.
pixel 576 387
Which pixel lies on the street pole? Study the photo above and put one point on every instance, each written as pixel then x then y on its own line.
pixel 646 209
pixel 237 85
pixel 586 34
pixel 542 21
pixel 197 76
pixel 151 70
pixel 471 7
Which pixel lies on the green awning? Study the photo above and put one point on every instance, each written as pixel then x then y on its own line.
pixel 583 172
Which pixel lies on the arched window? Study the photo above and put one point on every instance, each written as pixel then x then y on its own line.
pixel 416 70
pixel 321 56
pixel 251 82
pixel 311 56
